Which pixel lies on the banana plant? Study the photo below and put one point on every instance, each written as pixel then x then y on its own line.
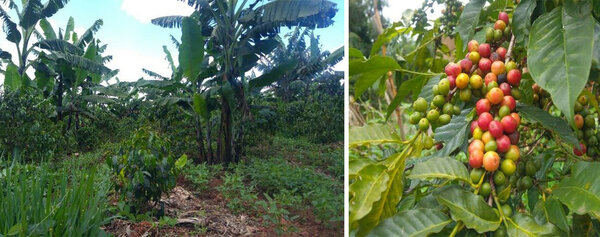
pixel 68 62
pixel 234 35
pixel 21 34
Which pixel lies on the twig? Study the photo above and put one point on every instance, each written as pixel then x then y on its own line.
pixel 491 197
pixel 510 48
pixel 537 142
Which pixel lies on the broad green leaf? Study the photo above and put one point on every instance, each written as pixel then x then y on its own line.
pixel 596 54
pixel 47 28
pixel 365 73
pixel 366 190
pixel 458 43
pixel 354 53
pixel 387 35
pixel 550 122
pixel 469 208
pixel 525 87
pixel 583 225
pixel 373 134
pixel 469 19
pixel 12 79
pixel 413 85
pixel 444 168
pixel 524 225
pixel 191 50
pixel 355 165
pixel 407 202
pixel 386 206
pixel 69 29
pixel 556 214
pixel 412 223
pixel 522 20
pixel 427 90
pixel 581 191
pixel 274 75
pixel 200 106
pixel 454 133
pixel 560 53
pixel 181 161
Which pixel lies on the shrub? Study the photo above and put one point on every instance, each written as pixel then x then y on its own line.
pixel 145 168
pixel 199 175
pixel 25 126
pixel 238 195
pixel 34 202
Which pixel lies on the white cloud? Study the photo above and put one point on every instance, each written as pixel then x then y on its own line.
pixel 146 10
pixel 130 64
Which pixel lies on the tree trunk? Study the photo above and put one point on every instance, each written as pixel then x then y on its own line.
pixel 211 159
pixel 224 144
pixel 200 140
pixel 59 94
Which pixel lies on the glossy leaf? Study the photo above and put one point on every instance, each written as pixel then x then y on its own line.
pixel 373 134
pixel 12 79
pixel 386 206
pixel 200 106
pixel 366 190
pixel 524 225
pixel 560 53
pixel 355 165
pixel 468 208
pixel 522 20
pixel 366 72
pixel 550 122
pixel 274 75
pixel 413 85
pixel 469 18
pixel 454 133
pixel 581 191
pixel 444 168
pixel 556 214
pixel 412 223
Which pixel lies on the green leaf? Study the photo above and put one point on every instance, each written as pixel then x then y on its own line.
pixel 387 35
pixel 200 106
pixel 386 206
pixel 373 134
pixel 581 191
pixel 469 208
pixel 550 122
pixel 14 230
pixel 560 53
pixel 181 161
pixel 468 20
pixel 524 225
pixel 596 54
pixel 12 79
pixel 522 20
pixel 444 168
pixel 366 72
pixel 69 29
pixel 355 165
pixel 556 214
pixel 526 87
pixel 413 85
pixel 458 43
pixel 412 223
pixel 454 133
pixel 47 28
pixel 191 50
pixel 354 53
pixel 274 75
pixel 366 190
pixel 427 90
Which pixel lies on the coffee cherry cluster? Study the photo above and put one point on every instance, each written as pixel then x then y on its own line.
pixel 585 121
pixel 501 30
pixel 541 97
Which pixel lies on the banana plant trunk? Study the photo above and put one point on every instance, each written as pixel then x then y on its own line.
pixel 224 144
pixel 200 140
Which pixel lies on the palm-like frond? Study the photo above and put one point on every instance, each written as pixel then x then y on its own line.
pixel 32 12
pixel 58 45
pixel 69 29
pixel 47 28
pixel 52 6
pixel 88 36
pixel 168 21
pixel 169 58
pixel 5 55
pixel 335 57
pixel 83 63
pixel 9 27
pixel 175 42
pixel 154 74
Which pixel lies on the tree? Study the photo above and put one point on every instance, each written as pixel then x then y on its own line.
pixel 234 36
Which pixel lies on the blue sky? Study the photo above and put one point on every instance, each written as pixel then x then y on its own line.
pixel 135 43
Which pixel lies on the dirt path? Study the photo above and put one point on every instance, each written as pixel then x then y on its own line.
pixel 206 214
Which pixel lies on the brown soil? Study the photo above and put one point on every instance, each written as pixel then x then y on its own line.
pixel 206 214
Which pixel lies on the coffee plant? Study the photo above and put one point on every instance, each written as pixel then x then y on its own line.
pixel 502 135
